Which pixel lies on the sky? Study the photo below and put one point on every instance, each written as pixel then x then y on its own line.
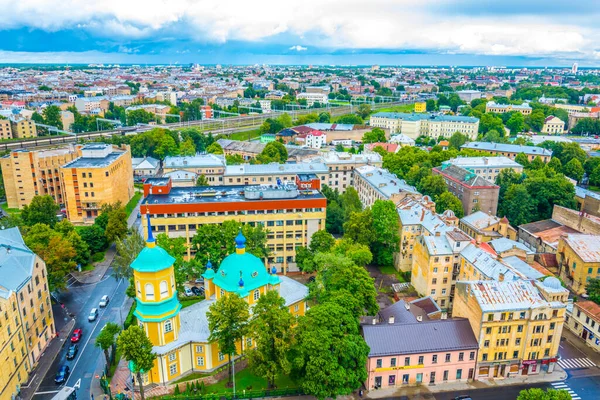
pixel 340 32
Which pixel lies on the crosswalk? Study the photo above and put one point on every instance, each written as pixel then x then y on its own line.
pixel 574 363
pixel 563 386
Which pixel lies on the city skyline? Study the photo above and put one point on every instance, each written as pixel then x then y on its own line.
pixel 458 32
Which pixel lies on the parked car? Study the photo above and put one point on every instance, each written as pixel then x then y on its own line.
pixel 199 280
pixel 76 335
pixel 62 375
pixel 188 291
pixel 72 352
pixel 311 279
pixel 93 315
pixel 104 301
pixel 196 291
pixel 463 397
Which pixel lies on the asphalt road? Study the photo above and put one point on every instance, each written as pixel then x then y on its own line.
pixel 79 300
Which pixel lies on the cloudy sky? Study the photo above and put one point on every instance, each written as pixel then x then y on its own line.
pixel 424 32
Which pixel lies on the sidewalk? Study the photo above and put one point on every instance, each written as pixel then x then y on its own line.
pixel 98 272
pixel 46 360
pixel 425 391
pixel 578 343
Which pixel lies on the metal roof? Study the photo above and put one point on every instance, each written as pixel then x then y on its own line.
pixel 16 261
pixel 384 181
pixel 275 169
pixel 509 148
pixel 419 337
pixel 199 160
pixel 586 246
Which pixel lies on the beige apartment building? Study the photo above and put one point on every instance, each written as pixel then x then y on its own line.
pixel 23 128
pixel 35 173
pixel 212 166
pixel 584 321
pixel 374 183
pixel 425 124
pixel 25 312
pixel 102 175
pixel 523 108
pixel 553 126
pixel 518 324
pixel 342 167
pixel 486 167
pixel 5 129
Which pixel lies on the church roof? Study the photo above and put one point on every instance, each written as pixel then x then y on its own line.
pixel 152 259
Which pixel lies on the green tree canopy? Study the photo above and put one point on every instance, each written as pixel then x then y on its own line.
pixel 273 152
pixel 214 148
pixel 41 210
pixel 457 140
pixel 106 339
pixel 376 135
pixel 321 241
pixel 134 345
pixel 385 227
pixel 448 201
pixel 574 170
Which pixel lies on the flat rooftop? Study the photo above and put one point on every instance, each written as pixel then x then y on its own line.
pixel 384 181
pixel 93 162
pixel 275 168
pixel 484 162
pixel 226 194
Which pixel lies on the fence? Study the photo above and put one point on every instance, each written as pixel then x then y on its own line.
pixel 241 394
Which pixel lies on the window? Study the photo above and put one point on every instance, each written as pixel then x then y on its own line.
pixel 484 357
pixel 221 356
pixel 172 356
pixel 248 342
pixel 256 294
pixel 515 354
pixel 393 362
pixel 458 374
pixel 486 343
pixel 446 375
pixel 434 359
pixel 447 357
pixel 405 379
pixel 168 326
pixel 164 291
pixel 173 369
pixel 520 328
pixel 149 291
pixel 406 361
pixel 461 356
pixel 488 331
pixel 199 349
pixel 379 363
pixel 200 361
pixel 421 360
pixel 518 341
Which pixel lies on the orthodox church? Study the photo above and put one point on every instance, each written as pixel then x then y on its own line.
pixel 180 336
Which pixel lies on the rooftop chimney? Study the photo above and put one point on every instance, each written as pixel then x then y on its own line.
pixel 374 321
pixel 391 319
pixel 419 318
pixel 407 306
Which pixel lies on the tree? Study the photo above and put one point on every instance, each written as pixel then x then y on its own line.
pixel 515 123
pixel 187 148
pixel 374 136
pixel 448 201
pixel 540 394
pixel 350 202
pixel 589 165
pixel 385 227
pixel 52 116
pixel 433 186
pixel 555 164
pixel 234 159
pixel 457 140
pixel 364 110
pixel 228 323
pixel 592 288
pixel 359 227
pixel 351 119
pixel 214 148
pixel 359 253
pixel 273 152
pixel 321 241
pixel 595 176
pixel 140 116
pixel 489 122
pixel 56 251
pixel 522 159
pixel 330 356
pixel 536 120
pixel 202 181
pixel 116 227
pixel 106 339
pixel 41 210
pixel 493 136
pixel 82 250
pixel 334 219
pixel 305 260
pixel 135 346
pixel 574 169
pixel 517 205
pixel 270 328
pixel 324 117
pixel 537 163
pixel 430 105
pixel 94 237
pixel 128 249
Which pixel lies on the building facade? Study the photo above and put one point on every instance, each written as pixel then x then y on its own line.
pixel 583 319
pixel 290 214
pixel 23 128
pixel 181 336
pixel 487 167
pixel 5 129
pixel 474 192
pixel 484 227
pixel 517 324
pixel 553 126
pixel 510 150
pixel 35 173
pixel 578 257
pixel 28 323
pixel 212 166
pixel 102 175
pixel 425 124
pixel 492 107
pixel 374 183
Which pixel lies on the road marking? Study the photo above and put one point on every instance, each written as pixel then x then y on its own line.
pixel 48 392
pixel 77 384
pixel 92 331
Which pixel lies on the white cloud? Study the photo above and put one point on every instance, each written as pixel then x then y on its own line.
pixel 332 24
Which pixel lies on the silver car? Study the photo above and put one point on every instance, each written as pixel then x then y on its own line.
pixel 104 301
pixel 93 315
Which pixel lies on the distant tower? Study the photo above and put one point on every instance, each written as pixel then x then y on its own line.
pixel 574 68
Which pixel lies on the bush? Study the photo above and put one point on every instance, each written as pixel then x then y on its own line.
pixel 97 257
pixel 131 319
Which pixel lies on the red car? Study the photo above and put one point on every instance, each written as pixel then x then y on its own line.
pixel 76 336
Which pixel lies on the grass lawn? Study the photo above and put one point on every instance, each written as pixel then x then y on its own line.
pixel 132 203
pixel 246 380
pixel 245 135
pixel 388 270
pixel 11 211
pixel 594 188
pixel 188 302
pixel 400 108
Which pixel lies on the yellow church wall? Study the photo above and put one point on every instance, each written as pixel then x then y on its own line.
pixel 142 279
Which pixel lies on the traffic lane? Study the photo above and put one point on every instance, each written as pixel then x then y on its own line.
pixel 585 387
pixel 566 350
pixel 496 393
pixel 82 300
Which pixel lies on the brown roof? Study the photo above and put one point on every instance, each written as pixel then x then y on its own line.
pixel 548 260
pixel 590 308
pixel 540 226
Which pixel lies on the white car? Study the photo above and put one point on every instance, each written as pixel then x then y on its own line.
pixel 188 291
pixel 93 315
pixel 104 301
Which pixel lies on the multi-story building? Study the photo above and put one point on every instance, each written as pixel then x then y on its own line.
pixel 578 257
pixel 27 322
pixel 181 336
pixel 35 173
pixel 435 264
pixel 510 150
pixel 102 175
pixel 374 183
pixel 341 167
pixel 290 214
pixel 469 95
pixel 583 319
pixel 92 104
pixel 553 126
pixel 425 124
pixel 420 107
pixel 210 165
pixel 312 98
pixel 23 128
pixel 494 107
pixel 486 167
pixel 518 324
pixel 5 129
pixel 67 118
pixel 314 139
pixel 474 192
pixel 270 174
pixel 159 110
pixel 484 227
pixel 407 349
pixel 249 150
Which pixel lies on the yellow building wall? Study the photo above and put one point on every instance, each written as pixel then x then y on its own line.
pixel 24 129
pixel 420 107
pixel 573 270
pixel 5 129
pixel 15 364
